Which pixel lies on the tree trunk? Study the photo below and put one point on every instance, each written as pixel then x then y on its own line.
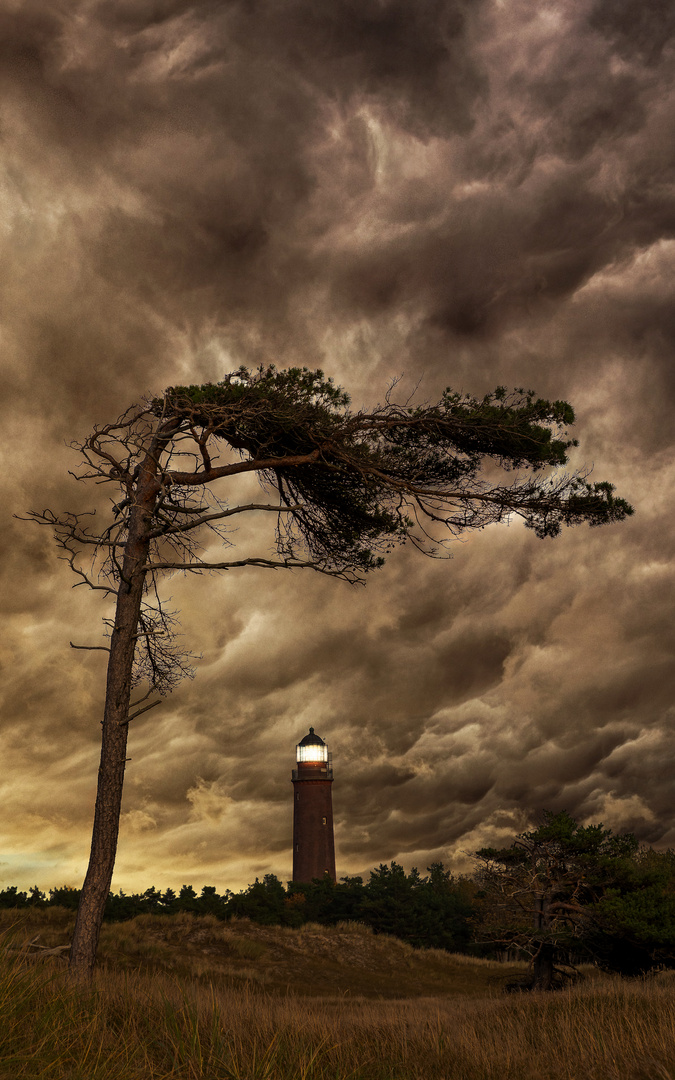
pixel 542 977
pixel 543 967
pixel 115 725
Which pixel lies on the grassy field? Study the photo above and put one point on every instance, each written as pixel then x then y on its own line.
pixel 195 998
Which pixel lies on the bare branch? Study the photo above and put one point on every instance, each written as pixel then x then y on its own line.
pixel 139 712
pixel 133 704
pixel 193 479
pixel 90 648
pixel 189 526
pixel 274 564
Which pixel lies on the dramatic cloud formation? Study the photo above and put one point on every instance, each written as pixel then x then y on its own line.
pixel 459 193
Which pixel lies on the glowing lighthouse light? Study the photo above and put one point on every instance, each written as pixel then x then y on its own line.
pixel 312 748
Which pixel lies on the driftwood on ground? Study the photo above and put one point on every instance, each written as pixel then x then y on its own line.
pixel 34 951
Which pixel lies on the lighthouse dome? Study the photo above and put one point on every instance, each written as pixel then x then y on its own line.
pixel 312 739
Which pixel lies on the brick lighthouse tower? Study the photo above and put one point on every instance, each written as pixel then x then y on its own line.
pixel 313 844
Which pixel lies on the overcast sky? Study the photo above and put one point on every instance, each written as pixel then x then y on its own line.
pixel 457 192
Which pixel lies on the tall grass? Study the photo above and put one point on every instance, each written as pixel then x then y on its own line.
pixel 133 1025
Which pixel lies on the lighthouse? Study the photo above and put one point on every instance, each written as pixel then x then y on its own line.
pixel 313 844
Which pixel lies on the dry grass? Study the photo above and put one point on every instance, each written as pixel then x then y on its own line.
pixel 314 960
pixel 157 1025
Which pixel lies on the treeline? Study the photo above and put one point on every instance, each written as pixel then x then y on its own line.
pixel 559 894
pixel 434 911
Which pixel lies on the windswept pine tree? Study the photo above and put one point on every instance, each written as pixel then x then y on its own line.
pixel 342 490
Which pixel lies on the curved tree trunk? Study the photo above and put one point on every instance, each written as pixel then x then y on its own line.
pixel 115 726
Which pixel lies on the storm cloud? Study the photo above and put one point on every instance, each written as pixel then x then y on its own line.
pixel 443 192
